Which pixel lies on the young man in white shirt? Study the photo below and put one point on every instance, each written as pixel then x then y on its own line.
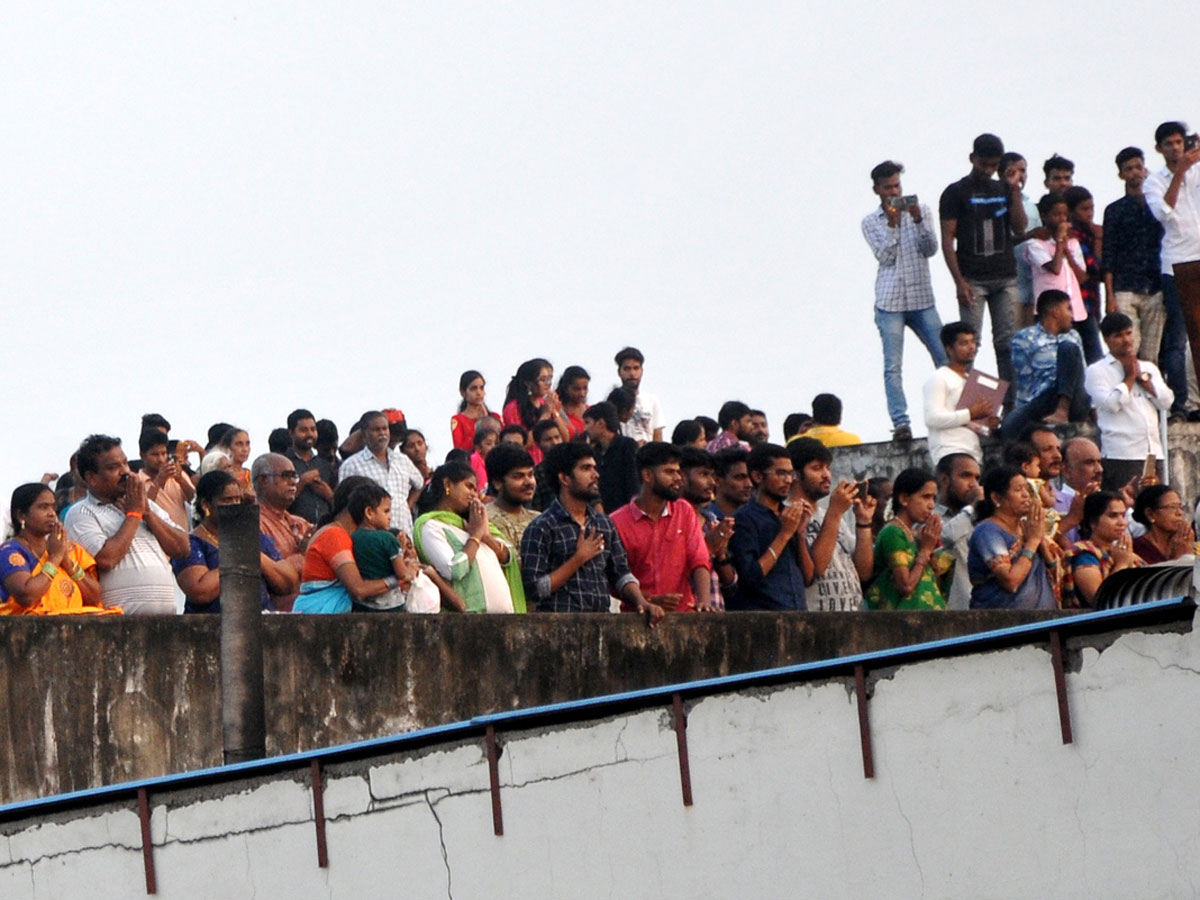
pixel 949 430
pixel 1127 394
pixel 1173 196
pixel 646 423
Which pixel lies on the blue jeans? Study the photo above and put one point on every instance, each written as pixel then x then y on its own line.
pixel 928 326
pixel 1172 357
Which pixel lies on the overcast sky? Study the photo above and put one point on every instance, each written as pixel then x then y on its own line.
pixel 222 211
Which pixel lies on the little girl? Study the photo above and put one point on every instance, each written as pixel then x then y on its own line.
pixel 378 553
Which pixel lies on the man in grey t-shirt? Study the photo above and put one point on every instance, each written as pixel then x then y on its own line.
pixel 842 557
pixel 130 537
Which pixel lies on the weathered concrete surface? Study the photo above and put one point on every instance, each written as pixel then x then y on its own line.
pixel 91 702
pixel 973 795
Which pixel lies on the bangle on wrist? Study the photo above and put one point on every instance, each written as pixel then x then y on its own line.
pixel 862 524
pixel 771 550
pixel 1026 553
pixel 472 538
pixel 50 570
pixel 134 514
pixel 391 581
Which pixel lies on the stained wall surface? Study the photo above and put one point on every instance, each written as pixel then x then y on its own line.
pixel 85 703
pixel 974 795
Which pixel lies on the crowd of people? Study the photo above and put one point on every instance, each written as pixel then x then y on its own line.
pixel 556 503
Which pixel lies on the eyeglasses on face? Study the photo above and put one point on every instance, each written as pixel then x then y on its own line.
pixel 290 475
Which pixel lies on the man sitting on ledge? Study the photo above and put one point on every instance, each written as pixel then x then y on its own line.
pixel 1048 365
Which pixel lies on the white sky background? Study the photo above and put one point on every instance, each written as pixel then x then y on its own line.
pixel 222 211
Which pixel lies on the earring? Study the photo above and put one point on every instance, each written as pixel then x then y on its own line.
pixel 447 490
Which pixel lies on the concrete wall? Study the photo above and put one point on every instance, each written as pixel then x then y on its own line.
pixel 91 702
pixel 974 795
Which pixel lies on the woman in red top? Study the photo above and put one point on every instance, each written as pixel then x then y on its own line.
pixel 470 410
pixel 572 391
pixel 529 399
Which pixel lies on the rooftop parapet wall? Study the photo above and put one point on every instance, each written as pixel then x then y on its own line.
pixel 92 702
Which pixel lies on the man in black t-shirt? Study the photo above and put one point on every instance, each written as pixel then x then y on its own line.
pixel 981 218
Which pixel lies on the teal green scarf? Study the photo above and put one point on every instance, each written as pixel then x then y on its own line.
pixel 465 578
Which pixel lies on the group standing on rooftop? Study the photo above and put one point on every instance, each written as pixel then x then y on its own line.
pixel 558 504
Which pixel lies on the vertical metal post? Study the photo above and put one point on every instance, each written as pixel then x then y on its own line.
pixel 147 843
pixel 493 758
pixel 243 713
pixel 318 792
pixel 685 769
pixel 1060 686
pixel 864 723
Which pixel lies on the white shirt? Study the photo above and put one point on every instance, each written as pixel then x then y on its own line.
pixel 1128 418
pixel 142 582
pixel 1181 223
pixel 647 416
pixel 948 431
pixel 399 478
pixel 838 589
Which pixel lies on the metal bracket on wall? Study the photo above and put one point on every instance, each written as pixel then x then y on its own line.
pixel 1060 686
pixel 493 757
pixel 147 844
pixel 864 722
pixel 685 770
pixel 318 795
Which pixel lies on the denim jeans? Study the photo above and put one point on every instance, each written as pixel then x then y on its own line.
pixel 1002 299
pixel 927 325
pixel 1068 382
pixel 1173 355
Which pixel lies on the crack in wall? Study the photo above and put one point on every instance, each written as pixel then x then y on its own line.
pixel 1165 667
pixel 442 841
pixel 912 839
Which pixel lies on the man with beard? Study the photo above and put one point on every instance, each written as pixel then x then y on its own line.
pixel 661 532
pixel 274 478
pixel 699 480
pixel 770 557
pixel 1048 447
pixel 391 470
pixel 761 431
pixel 950 428
pixel 571 555
pixel 842 557
pixel 732 486
pixel 958 489
pixel 511 481
pixel 314 493
pixel 131 538
pixel 646 423
pixel 980 216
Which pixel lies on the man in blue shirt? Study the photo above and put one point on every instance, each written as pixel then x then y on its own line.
pixel 770 558
pixel 1047 360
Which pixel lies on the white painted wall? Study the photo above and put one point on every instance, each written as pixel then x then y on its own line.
pixel 974 795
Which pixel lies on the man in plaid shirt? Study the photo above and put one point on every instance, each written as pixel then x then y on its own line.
pixel 571 555
pixel 902 238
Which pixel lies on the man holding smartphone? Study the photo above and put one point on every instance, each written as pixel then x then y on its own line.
pixel 900 234
pixel 1173 196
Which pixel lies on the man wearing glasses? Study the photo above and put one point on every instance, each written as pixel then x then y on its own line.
pixel 275 484
pixel 768 554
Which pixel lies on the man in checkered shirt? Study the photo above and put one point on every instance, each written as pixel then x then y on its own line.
pixel 902 238
pixel 571 555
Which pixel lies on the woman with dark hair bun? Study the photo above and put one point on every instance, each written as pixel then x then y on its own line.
pixel 1168 534
pixel 471 387
pixel 1009 550
pixel 199 573
pixel 1104 547
pixel 908 555
pixel 42 571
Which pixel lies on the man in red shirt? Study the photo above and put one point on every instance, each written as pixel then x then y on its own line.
pixel 663 535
